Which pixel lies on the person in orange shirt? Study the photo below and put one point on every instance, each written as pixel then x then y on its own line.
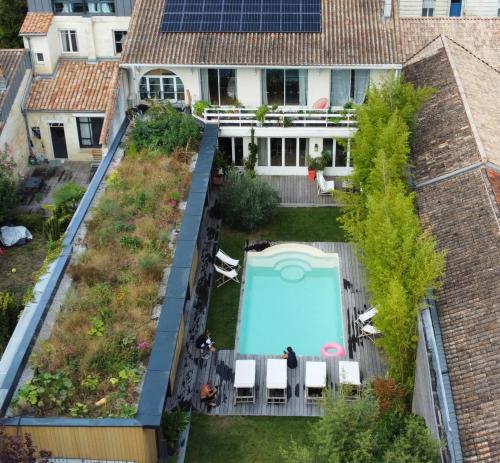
pixel 208 393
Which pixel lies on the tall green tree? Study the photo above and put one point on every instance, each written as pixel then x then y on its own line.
pixel 8 185
pixel 12 13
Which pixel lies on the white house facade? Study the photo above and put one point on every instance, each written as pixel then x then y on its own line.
pixel 452 8
pixel 296 90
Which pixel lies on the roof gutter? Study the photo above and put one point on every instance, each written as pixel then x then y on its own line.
pixel 260 66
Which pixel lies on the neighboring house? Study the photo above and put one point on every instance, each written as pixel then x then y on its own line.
pixel 258 64
pixel 75 101
pixel 453 8
pixel 456 158
pixel 14 81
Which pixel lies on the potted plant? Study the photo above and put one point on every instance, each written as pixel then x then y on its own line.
pixel 260 114
pixel 313 165
pixel 218 169
pixel 172 426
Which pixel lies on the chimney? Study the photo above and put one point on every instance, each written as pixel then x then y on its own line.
pixel 387 9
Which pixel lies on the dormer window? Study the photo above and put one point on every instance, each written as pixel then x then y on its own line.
pixel 84 6
pixel 69 43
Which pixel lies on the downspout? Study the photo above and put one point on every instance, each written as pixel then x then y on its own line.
pixel 25 97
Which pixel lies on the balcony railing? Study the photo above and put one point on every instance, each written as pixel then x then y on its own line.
pixel 281 117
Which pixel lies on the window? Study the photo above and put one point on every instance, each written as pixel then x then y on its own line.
pixel 341 149
pixel 84 6
pixel 283 152
pixel 284 87
pixel 428 7
pixel 69 43
pixel 161 85
pixel 349 85
pixel 427 11
pixel 119 39
pixel 232 150
pixel 89 131
pixel 39 58
pixel 456 8
pixel 218 86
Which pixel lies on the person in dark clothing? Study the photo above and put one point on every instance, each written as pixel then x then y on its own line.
pixel 204 342
pixel 291 358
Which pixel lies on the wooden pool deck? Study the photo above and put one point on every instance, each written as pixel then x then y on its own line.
pixel 297 191
pixel 219 368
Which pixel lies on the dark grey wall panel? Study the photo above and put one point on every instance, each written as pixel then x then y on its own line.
pixel 40 6
pixel 124 7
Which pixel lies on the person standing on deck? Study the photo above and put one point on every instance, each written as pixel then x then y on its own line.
pixel 291 358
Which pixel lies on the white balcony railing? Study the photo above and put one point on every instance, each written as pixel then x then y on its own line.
pixel 281 117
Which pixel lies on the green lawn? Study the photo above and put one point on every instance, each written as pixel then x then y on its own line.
pixel 242 439
pixel 290 224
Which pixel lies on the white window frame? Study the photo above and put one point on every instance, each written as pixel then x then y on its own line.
pixel 38 61
pixel 124 35
pixel 297 151
pixel 62 33
pixel 148 87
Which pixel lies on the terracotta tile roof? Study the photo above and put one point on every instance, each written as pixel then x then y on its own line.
pixel 460 210
pixel 353 32
pixel 494 176
pixel 10 60
pixel 479 35
pixel 75 86
pixel 36 24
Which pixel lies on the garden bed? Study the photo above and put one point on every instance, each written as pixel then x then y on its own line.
pixel 94 360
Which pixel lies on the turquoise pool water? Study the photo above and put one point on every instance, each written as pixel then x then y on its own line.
pixel 290 298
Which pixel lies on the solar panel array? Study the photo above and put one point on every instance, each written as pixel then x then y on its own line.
pixel 242 16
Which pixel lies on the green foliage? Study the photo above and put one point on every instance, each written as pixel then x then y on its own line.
pixel 380 218
pixel 164 128
pixel 260 113
pixel 8 181
pixel 172 425
pixel 46 391
pixel 9 312
pixel 319 163
pixel 199 108
pixel 12 13
pixel 33 222
pixel 130 242
pixel 350 432
pixel 247 201
pixel 68 195
pixel 253 151
pixel 118 352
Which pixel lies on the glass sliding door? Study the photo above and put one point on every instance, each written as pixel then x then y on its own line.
pixel 275 79
pixel 227 86
pixel 238 151
pixel 292 89
pixel 276 151
pixel 290 152
pixel 232 150
pixel 219 86
pixel 339 151
pixel 226 148
pixel 213 87
pixel 285 87
pixel 263 158
pixel 303 150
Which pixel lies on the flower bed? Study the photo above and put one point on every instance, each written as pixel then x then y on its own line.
pixel 94 360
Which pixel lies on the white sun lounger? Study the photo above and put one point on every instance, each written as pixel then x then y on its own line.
pixel 349 375
pixel 315 381
pixel 225 276
pixel 369 331
pixel 244 382
pixel 227 262
pixel 365 317
pixel 276 381
pixel 325 187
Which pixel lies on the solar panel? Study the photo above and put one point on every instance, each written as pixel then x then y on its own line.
pixel 242 16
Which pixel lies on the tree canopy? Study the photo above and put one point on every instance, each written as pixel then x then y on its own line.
pixel 12 13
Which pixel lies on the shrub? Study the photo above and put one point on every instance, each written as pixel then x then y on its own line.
pixel 165 128
pixel 68 195
pixel 118 352
pixel 350 432
pixel 33 222
pixel 9 312
pixel 253 149
pixel 247 201
pixel 20 449
pixel 199 107
pixel 8 184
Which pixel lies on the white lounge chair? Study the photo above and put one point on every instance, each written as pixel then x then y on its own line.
pixel 365 317
pixel 276 381
pixel 349 375
pixel 225 276
pixel 325 187
pixel 315 381
pixel 369 331
pixel 227 262
pixel 244 382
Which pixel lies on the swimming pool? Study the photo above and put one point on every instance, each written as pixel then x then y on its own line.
pixel 291 297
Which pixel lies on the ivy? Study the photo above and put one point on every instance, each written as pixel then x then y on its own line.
pixel 380 219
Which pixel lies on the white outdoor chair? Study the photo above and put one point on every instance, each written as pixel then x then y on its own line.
pixel 365 317
pixel 227 262
pixel 325 187
pixel 315 381
pixel 276 381
pixel 349 375
pixel 244 382
pixel 369 331
pixel 225 276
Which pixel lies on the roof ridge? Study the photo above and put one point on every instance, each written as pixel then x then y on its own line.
pixel 473 54
pixel 422 49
